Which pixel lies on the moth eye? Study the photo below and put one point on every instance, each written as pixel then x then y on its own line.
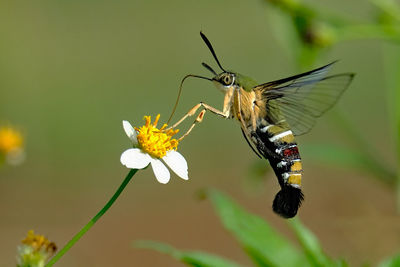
pixel 227 80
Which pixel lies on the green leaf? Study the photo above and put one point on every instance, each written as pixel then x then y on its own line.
pixel 191 258
pixel 264 245
pixel 391 262
pixel 311 246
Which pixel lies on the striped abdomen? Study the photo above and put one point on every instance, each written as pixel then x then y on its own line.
pixel 277 144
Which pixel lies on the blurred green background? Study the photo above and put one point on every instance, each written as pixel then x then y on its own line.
pixel 70 72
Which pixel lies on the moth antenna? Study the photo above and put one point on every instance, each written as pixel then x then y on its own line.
pixel 211 49
pixel 180 91
pixel 209 68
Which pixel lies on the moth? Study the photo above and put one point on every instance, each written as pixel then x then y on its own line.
pixel 271 115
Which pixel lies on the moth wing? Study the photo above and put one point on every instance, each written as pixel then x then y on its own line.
pixel 302 98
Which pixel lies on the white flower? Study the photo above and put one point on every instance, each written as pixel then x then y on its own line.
pixel 150 146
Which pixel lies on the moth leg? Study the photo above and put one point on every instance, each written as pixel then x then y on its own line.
pixel 197 120
pixel 223 114
pixel 193 110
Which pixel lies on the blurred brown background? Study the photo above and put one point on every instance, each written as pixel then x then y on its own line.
pixel 71 71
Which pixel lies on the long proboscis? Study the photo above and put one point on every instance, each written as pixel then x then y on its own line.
pixel 180 91
pixel 208 43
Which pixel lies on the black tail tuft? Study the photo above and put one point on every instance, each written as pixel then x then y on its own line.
pixel 287 201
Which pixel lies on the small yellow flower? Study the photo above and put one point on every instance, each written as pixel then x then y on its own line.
pixel 35 250
pixel 152 144
pixel 11 145
pixel 10 139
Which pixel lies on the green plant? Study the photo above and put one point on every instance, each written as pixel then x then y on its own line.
pixel 264 245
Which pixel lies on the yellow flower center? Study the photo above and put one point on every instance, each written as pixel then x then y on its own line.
pixel 10 140
pixel 156 142
pixel 39 242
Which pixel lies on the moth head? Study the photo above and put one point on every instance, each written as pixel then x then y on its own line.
pixel 224 81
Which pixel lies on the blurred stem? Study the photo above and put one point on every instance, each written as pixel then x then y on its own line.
pixel 390 7
pixel 368 31
pixel 392 70
pixel 381 171
pixel 293 8
pixel 93 220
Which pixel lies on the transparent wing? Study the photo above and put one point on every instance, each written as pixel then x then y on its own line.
pixel 302 98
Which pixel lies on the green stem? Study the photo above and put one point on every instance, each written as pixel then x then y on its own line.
pixel 93 220
pixel 396 123
pixel 369 31
pixel 392 71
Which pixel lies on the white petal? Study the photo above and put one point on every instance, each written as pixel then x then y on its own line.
pixel 130 131
pixel 177 163
pixel 160 171
pixel 134 158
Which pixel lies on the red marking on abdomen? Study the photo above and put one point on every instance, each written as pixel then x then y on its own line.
pixel 291 151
